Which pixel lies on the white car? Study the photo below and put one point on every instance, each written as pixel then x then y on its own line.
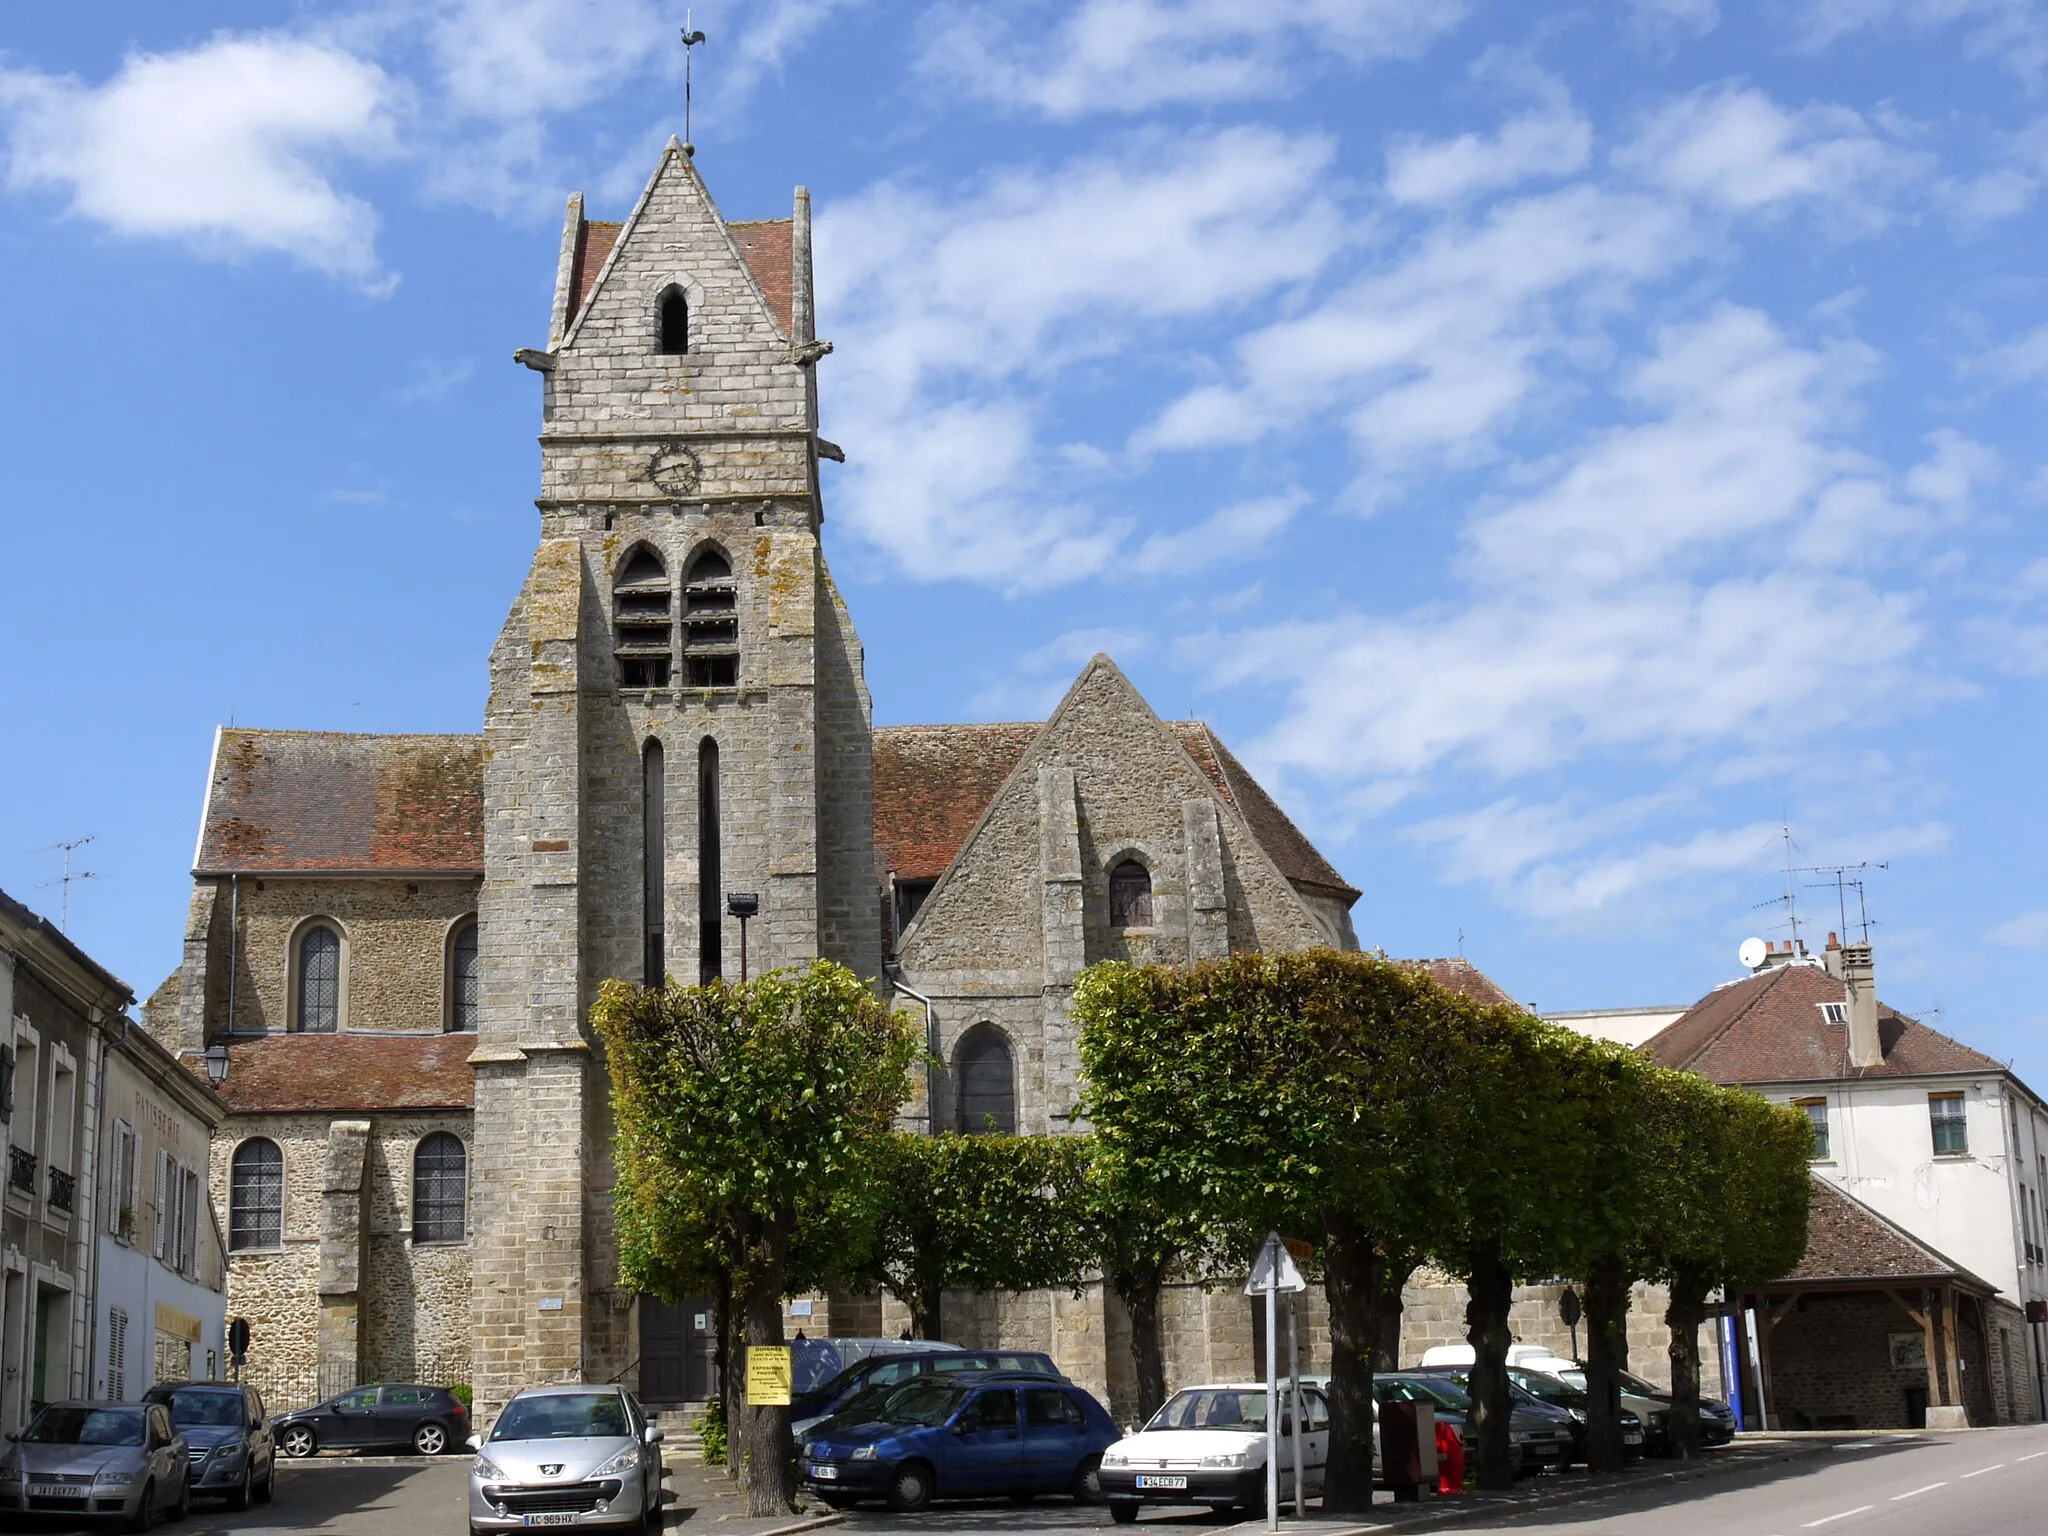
pixel 1207 1445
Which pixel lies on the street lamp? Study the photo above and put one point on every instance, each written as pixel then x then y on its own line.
pixel 742 905
pixel 217 1063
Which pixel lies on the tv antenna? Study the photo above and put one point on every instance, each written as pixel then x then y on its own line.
pixel 64 880
pixel 1842 883
pixel 691 38
pixel 1790 900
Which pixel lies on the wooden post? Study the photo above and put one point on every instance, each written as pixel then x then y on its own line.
pixel 1951 1347
pixel 1924 1316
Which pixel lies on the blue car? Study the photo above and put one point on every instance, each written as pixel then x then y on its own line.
pixel 959 1437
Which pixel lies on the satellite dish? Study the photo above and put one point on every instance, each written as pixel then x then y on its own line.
pixel 1751 954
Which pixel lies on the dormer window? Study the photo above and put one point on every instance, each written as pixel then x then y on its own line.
pixel 1835 1013
pixel 643 620
pixel 673 319
pixel 711 623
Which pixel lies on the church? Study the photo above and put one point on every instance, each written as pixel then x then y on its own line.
pixel 396 939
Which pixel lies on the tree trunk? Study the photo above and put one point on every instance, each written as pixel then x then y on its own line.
pixel 1489 1291
pixel 722 1363
pixel 1394 1275
pixel 923 1301
pixel 1683 1317
pixel 1352 1282
pixel 1138 1290
pixel 1607 1298
pixel 770 1449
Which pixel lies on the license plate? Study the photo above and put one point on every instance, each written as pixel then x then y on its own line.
pixel 55 1491
pixel 1162 1480
pixel 561 1517
pixel 1631 1439
pixel 824 1473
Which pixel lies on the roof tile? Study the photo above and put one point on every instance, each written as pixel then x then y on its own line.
pixel 293 1074
pixel 767 246
pixel 1847 1240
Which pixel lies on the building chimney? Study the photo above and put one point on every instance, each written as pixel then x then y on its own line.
pixel 1831 957
pixel 1859 978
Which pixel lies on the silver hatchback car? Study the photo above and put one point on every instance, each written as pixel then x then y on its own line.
pixel 123 1461
pixel 567 1456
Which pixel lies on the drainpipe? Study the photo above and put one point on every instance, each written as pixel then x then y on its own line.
pixel 931 1043
pixel 92 1290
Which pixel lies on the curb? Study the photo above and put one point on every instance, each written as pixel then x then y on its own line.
pixel 810 1523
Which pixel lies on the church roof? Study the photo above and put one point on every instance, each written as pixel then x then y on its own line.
pixel 765 245
pixel 1847 1240
pixel 1769 1028
pixel 301 1074
pixel 283 802
pixel 1283 841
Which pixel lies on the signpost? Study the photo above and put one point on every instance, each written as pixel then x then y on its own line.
pixel 768 1376
pixel 238 1344
pixel 1568 1309
pixel 1275 1272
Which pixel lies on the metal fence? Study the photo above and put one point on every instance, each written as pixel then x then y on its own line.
pixel 287 1386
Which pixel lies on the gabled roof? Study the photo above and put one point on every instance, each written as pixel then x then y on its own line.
pixel 766 244
pixel 31 933
pixel 1847 1240
pixel 1768 1028
pixel 1463 977
pixel 295 1074
pixel 327 802
pixel 1283 841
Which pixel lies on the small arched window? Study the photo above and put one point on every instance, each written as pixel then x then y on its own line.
pixel 256 1195
pixel 988 1083
pixel 674 320
pixel 711 623
pixel 641 614
pixel 1130 895
pixel 462 979
pixel 319 980
pixel 440 1189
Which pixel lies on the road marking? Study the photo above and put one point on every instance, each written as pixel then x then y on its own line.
pixel 1830 1519
pixel 1982 1470
pixel 2031 1457
pixel 1928 1489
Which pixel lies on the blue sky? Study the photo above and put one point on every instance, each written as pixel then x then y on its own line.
pixel 1557 449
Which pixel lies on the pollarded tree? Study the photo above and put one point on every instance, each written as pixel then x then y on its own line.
pixel 745 1112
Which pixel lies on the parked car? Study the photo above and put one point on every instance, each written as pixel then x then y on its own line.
pixel 1207 1445
pixel 1562 1394
pixel 1652 1404
pixel 813 1362
pixel 232 1448
pixel 121 1461
pixel 1539 1435
pixel 573 1455
pixel 959 1436
pixel 807 1409
pixel 393 1415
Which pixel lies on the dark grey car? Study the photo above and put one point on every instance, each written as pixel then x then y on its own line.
pixel 227 1437
pixel 113 1461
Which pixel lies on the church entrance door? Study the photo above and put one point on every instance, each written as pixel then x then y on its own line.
pixel 676 1347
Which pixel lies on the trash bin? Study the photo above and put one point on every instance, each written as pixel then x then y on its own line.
pixel 1408 1446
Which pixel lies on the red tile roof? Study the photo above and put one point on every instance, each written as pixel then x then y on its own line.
pixel 286 801
pixel 1463 977
pixel 293 1074
pixel 932 782
pixel 767 246
pixel 594 241
pixel 1769 1028
pixel 1280 837
pixel 1847 1240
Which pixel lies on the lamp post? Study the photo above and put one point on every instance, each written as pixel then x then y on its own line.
pixel 742 905
pixel 216 1060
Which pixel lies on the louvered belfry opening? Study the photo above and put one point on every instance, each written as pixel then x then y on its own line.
pixel 711 623
pixel 643 616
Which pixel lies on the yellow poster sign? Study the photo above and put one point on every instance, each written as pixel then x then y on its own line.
pixel 768 1375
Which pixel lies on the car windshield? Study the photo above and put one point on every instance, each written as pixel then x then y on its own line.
pixel 1635 1386
pixel 1548 1388
pixel 923 1401
pixel 1212 1408
pixel 1444 1391
pixel 197 1409
pixel 86 1426
pixel 562 1416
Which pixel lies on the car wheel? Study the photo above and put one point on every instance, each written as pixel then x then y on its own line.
pixel 183 1507
pixel 430 1439
pixel 298 1440
pixel 1087 1485
pixel 238 1496
pixel 910 1488
pixel 1123 1511
pixel 145 1512
pixel 266 1489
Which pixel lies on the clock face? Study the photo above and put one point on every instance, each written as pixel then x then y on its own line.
pixel 674 469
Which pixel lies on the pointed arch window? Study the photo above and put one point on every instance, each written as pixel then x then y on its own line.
pixel 711 623
pixel 988 1083
pixel 1130 895
pixel 463 990
pixel 440 1189
pixel 319 989
pixel 256 1195
pixel 672 315
pixel 642 616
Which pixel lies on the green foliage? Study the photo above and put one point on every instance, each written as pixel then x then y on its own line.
pixel 463 1393
pixel 710 1427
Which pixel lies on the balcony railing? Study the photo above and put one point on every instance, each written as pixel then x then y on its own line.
pixel 21 1170
pixel 61 1186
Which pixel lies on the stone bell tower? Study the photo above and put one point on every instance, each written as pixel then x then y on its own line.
pixel 676 715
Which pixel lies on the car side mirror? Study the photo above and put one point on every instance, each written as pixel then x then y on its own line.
pixel 654 1436
pixel 476 1442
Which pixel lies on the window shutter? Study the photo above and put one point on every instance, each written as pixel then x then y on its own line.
pixel 161 1210
pixel 117 1354
pixel 190 1229
pixel 6 1082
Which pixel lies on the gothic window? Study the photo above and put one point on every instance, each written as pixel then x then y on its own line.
pixel 256 1195
pixel 440 1189
pixel 710 879
pixel 988 1083
pixel 1130 895
pixel 653 863
pixel 462 979
pixel 674 317
pixel 711 623
pixel 319 980
pixel 910 895
pixel 640 610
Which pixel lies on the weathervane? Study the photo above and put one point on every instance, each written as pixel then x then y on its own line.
pixel 691 38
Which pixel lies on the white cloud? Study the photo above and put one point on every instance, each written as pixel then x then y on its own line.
pixel 524 60
pixel 954 317
pixel 1698 17
pixel 1226 535
pixel 1036 681
pixel 1736 148
pixel 1554 142
pixel 2015 32
pixel 2027 931
pixel 1129 56
pixel 225 146
pixel 2023 360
